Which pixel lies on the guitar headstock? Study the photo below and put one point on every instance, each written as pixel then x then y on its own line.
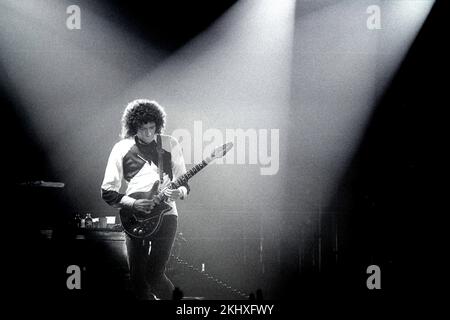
pixel 219 151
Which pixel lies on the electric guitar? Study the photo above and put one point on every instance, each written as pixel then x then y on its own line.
pixel 140 224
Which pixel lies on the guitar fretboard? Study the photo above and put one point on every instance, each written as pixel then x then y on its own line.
pixel 189 174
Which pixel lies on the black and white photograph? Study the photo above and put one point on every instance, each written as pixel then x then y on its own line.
pixel 226 159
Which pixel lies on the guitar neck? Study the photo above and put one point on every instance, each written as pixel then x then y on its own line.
pixel 217 153
pixel 189 174
pixel 183 179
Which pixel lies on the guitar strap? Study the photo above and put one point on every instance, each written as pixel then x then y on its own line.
pixel 160 151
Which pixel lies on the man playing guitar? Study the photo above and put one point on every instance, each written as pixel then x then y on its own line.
pixel 145 156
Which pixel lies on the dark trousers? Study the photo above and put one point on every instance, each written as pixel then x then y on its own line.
pixel 147 259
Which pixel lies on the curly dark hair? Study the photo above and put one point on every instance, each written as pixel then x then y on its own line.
pixel 139 112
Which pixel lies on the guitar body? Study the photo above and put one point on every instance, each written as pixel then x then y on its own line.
pixel 140 224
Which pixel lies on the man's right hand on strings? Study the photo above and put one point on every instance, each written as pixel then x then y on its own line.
pixel 144 205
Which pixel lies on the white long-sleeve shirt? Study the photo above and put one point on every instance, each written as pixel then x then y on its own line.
pixel 133 167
